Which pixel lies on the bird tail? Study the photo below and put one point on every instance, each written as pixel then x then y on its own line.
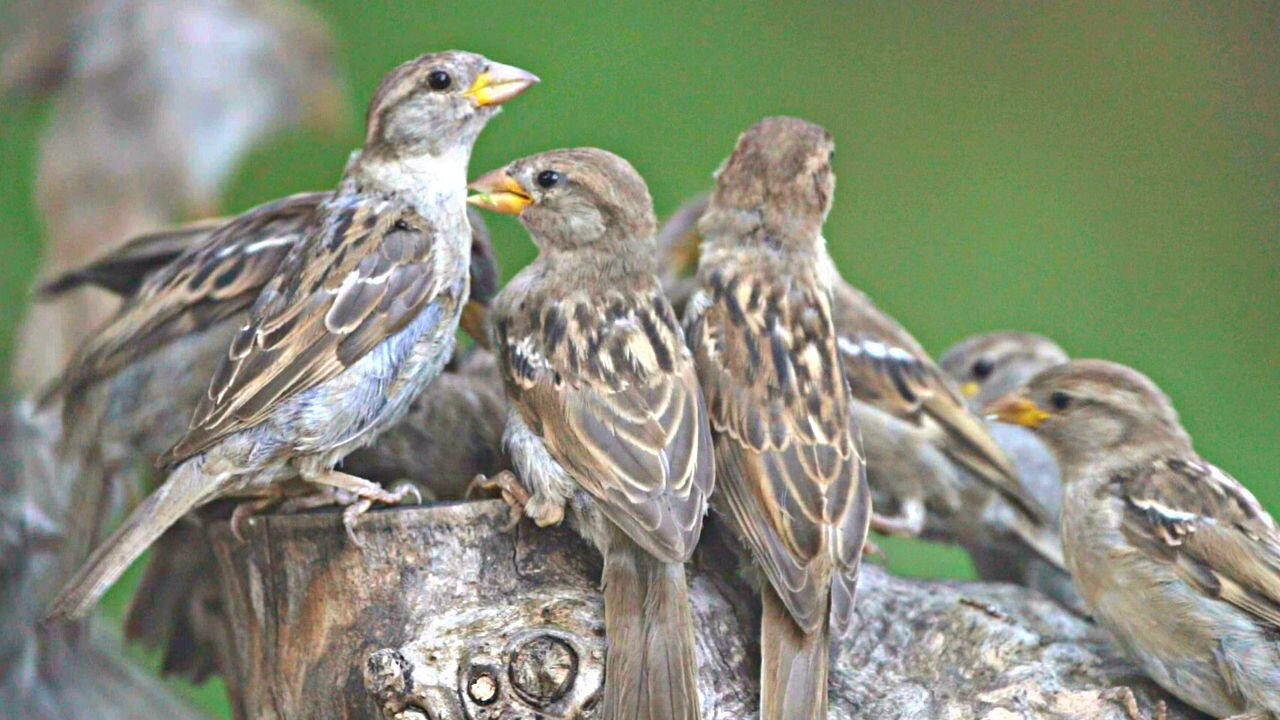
pixel 651 670
pixel 186 488
pixel 1040 538
pixel 793 664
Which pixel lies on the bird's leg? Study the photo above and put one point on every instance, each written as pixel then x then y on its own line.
pixel 365 492
pixel 249 508
pixel 509 486
pixel 1124 695
pixel 909 522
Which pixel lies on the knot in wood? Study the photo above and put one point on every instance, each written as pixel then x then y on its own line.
pixel 543 669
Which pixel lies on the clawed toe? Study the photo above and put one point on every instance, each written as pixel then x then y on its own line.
pixel 351 515
pixel 513 493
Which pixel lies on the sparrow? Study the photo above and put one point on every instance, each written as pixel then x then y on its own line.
pixel 606 416
pixel 678 245
pixel 790 470
pixel 986 367
pixel 357 320
pixel 1173 556
pixel 155 105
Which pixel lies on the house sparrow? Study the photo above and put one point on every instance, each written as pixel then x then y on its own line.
pixel 986 367
pixel 924 449
pixel 156 102
pixel 357 320
pixel 1171 555
pixel 606 412
pixel 678 244
pixel 790 468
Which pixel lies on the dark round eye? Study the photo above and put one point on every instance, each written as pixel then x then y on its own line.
pixel 549 179
pixel 439 80
pixel 402 225
pixel 982 368
pixel 1060 401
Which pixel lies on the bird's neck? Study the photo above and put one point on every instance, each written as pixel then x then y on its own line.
pixel 434 182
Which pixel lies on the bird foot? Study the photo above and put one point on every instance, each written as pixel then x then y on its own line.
pixel 508 485
pixel 248 509
pixel 365 500
pixel 1124 695
pixel 896 526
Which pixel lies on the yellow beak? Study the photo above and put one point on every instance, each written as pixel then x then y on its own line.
pixel 499 192
pixel 969 389
pixel 1016 410
pixel 498 84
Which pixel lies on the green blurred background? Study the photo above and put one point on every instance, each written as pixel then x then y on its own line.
pixel 1108 176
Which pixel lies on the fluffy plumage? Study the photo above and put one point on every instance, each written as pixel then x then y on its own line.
pixel 1173 556
pixel 606 412
pixel 357 320
pixel 788 456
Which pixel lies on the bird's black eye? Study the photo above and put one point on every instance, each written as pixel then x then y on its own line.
pixel 549 179
pixel 1060 401
pixel 439 80
pixel 983 368
pixel 402 225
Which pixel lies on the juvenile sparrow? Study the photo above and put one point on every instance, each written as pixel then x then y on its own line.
pixel 358 319
pixel 790 469
pixel 1170 554
pixel 924 448
pixel 606 416
pixel 986 367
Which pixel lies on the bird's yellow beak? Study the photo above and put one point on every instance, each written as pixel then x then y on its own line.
pixel 499 192
pixel 969 389
pixel 498 84
pixel 1015 409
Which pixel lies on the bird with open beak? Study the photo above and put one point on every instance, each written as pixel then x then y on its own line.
pixel 358 318
pixel 606 415
pixel 789 460
pixel 1172 555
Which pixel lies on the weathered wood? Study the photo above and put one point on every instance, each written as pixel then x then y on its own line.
pixel 443 616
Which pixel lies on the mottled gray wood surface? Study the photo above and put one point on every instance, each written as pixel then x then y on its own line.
pixel 443 616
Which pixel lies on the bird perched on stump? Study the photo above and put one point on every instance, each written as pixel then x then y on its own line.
pixel 606 415
pixel 789 461
pixel 1171 555
pixel 358 320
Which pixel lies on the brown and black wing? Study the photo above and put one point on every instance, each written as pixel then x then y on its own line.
pixel 361 278
pixel 791 471
pixel 211 281
pixel 888 370
pixel 1212 530
pixel 610 388
pixel 123 270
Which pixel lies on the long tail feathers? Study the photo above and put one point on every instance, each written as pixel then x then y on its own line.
pixel 651 670
pixel 793 665
pixel 186 488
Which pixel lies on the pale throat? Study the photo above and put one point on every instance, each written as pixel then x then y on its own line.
pixel 432 182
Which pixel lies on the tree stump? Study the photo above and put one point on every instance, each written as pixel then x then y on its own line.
pixel 444 616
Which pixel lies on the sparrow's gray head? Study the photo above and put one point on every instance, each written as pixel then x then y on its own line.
pixel 990 366
pixel 1090 410
pixel 780 171
pixel 574 198
pixel 438 101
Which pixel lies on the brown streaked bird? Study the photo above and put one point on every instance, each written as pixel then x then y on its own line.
pixel 1172 555
pixel 359 318
pixel 606 417
pixel 924 447
pixel 986 367
pixel 788 456
pixel 678 243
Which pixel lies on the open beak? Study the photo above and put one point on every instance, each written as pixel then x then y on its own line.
pixel 499 192
pixel 475 323
pixel 969 389
pixel 499 83
pixel 1016 410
